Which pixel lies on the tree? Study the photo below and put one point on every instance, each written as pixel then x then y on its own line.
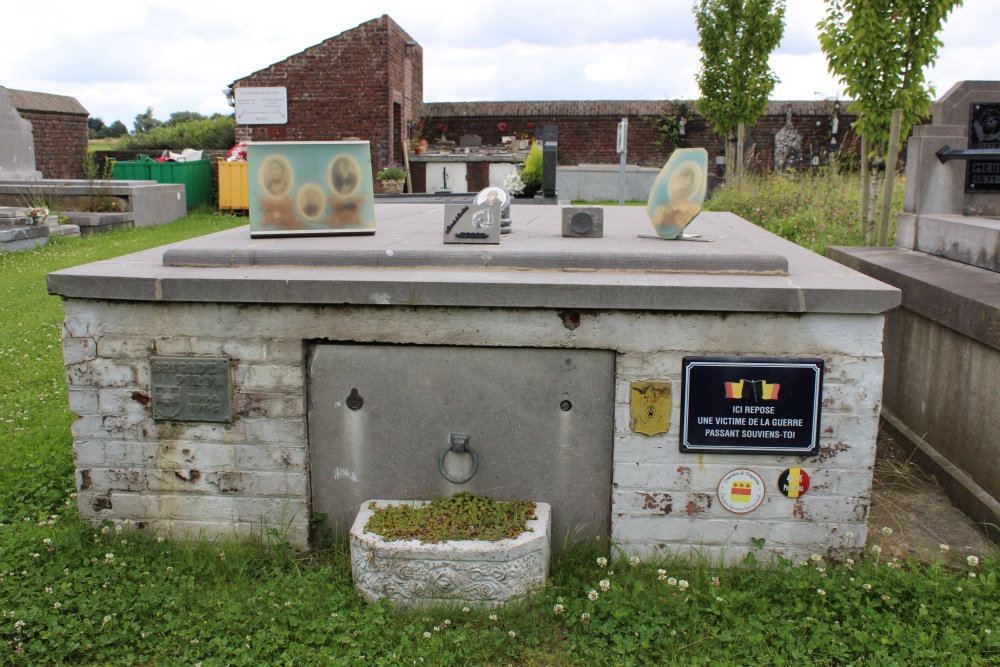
pixel 879 50
pixel 116 129
pixel 736 38
pixel 144 122
pixel 178 117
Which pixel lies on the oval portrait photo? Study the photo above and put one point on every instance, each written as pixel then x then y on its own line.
pixel 276 176
pixel 345 176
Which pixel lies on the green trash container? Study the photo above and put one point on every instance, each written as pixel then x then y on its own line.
pixel 194 175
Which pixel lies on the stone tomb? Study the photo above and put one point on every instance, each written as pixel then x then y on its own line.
pixel 943 346
pixel 546 367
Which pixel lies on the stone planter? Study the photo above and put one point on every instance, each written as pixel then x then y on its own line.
pixel 393 186
pixel 461 572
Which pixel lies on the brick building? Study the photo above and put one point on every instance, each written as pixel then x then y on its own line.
pixel 59 127
pixel 366 82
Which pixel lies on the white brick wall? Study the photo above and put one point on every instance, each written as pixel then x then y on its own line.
pixel 186 478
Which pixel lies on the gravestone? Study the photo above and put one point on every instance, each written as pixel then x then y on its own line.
pixel 549 136
pixel 942 348
pixel 470 141
pixel 17 144
pixel 787 147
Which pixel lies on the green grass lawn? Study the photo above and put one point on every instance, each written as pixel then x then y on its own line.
pixel 76 594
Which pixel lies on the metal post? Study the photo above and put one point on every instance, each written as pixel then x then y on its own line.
pixel 623 152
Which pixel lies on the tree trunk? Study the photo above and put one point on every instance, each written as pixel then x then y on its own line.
pixel 741 131
pixel 866 184
pixel 890 177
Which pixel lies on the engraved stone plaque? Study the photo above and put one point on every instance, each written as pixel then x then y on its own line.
pixel 984 133
pixel 192 389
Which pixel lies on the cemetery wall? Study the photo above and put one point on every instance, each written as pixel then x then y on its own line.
pixel 59 127
pixel 587 128
pixel 360 83
pixel 187 478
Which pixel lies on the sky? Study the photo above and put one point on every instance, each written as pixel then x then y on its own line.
pixel 118 57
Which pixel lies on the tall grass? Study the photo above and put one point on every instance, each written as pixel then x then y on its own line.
pixel 76 594
pixel 813 209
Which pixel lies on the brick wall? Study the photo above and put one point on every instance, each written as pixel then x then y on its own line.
pixel 587 129
pixel 345 87
pixel 60 142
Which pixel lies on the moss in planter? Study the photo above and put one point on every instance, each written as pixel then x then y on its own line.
pixel 464 516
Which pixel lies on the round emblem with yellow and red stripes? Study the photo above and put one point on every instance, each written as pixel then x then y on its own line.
pixel 741 491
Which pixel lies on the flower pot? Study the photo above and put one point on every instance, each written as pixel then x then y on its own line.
pixel 393 186
pixel 458 572
pixel 528 192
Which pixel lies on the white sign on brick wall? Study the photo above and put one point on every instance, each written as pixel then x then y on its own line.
pixel 261 106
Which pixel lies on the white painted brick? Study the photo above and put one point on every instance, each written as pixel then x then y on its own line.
pixel 129 454
pixel 268 405
pixel 288 431
pixel 103 480
pixel 87 453
pixel 78 350
pixel 244 350
pixel 196 432
pixel 182 455
pixel 188 507
pixel 87 426
pixel 705 505
pixel 83 401
pixel 124 347
pixel 269 378
pixel 124 402
pixel 274 512
pixel 283 484
pixel 254 457
pixel 284 351
pixel 83 318
pixel 726 532
pixel 100 373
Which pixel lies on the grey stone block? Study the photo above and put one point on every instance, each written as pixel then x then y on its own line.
pixel 583 221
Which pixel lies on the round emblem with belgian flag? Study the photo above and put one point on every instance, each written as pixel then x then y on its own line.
pixel 741 491
pixel 794 482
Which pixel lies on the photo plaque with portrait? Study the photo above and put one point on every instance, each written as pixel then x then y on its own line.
pixel 310 188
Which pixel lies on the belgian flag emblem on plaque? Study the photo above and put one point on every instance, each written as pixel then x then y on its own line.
pixel 741 491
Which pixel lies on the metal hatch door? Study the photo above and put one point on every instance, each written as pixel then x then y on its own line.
pixel 540 422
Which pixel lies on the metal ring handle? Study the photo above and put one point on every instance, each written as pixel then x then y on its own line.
pixel 457 480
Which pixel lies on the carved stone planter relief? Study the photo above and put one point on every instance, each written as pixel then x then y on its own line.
pixel 461 572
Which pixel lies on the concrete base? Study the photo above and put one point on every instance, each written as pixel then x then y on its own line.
pixel 969 240
pixel 942 369
pixel 601 182
pixel 462 572
pixel 94 223
pixel 23 237
pixel 147 202
pixel 269 305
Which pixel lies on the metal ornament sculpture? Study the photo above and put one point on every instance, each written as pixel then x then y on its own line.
pixel 678 192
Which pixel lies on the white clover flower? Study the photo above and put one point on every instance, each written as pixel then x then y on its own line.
pixel 118 530
pixel 849 563
pixel 815 558
pixel 446 622
pixel 944 547
pixel 105 530
pixel 662 575
pixel 671 581
pixel 973 561
pixel 876 549
pixel 820 591
pixel 885 598
pixel 512 633
pixel 47 541
pixel 558 608
pixel 585 617
pixel 592 595
pixel 333 615
pixel 972 575
pixel 437 628
pixel 48 590
pixel 605 585
pixel 602 562
pixel 886 530
pixel 849 536
pixel 109 559
pixel 56 605
pixel 682 584
pixel 634 560
pixel 867 587
pixel 715 581
pixel 719 599
pixel 493 617
pixel 988 631
pixel 427 635
pixel 18 625
pixel 171 569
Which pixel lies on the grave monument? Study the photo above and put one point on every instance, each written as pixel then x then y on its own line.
pixel 17 144
pixel 943 345
pixel 228 384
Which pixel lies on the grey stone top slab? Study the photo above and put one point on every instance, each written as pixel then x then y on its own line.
pixel 961 297
pixel 967 239
pixel 406 263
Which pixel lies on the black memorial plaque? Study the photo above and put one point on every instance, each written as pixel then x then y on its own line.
pixel 984 133
pixel 742 405
pixel 192 389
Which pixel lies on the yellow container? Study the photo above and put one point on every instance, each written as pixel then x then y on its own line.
pixel 233 186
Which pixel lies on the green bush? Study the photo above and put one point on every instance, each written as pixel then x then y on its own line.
pixel 212 134
pixel 531 175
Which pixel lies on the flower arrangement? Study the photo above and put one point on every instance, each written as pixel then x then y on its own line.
pixel 36 213
pixel 512 183
pixel 393 172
